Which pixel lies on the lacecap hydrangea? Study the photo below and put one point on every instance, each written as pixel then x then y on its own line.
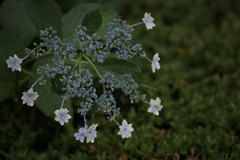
pixel 78 82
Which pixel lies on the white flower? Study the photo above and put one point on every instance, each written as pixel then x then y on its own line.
pixel 155 63
pixel 29 97
pixel 62 116
pixel 148 20
pixel 125 129
pixel 91 133
pixel 155 106
pixel 81 134
pixel 14 63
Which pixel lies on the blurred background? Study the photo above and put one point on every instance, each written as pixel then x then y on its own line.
pixel 198 83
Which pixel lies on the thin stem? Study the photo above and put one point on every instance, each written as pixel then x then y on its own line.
pixel 62 103
pixel 136 24
pixel 145 101
pixel 116 122
pixel 85 123
pixel 26 56
pixel 80 61
pixel 148 59
pixel 30 52
pixel 38 80
pixel 75 64
pixel 47 53
pixel 95 70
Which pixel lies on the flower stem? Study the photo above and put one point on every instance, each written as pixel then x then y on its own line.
pixel 47 53
pixel 80 61
pixel 30 52
pixel 62 103
pixel 95 70
pixel 116 122
pixel 136 24
pixel 148 59
pixel 145 101
pixel 38 80
pixel 85 123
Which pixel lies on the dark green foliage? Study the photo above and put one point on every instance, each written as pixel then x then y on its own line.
pixel 9 46
pixel 57 86
pixel 198 83
pixel 44 14
pixel 93 21
pixel 20 26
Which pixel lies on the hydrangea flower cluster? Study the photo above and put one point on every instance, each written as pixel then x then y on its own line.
pixel 79 82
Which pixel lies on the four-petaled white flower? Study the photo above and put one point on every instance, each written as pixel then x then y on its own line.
pixel 155 63
pixel 81 134
pixel 62 116
pixel 148 20
pixel 14 63
pixel 125 129
pixel 155 106
pixel 91 133
pixel 29 97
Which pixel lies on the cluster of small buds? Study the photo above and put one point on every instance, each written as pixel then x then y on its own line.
pixel 119 38
pixel 61 52
pixel 79 83
pixel 37 52
pixel 88 45
pixel 127 84
pixel 107 104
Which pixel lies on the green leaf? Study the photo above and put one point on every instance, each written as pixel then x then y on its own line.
pixel 7 82
pixel 57 86
pixel 118 68
pixel 44 13
pixel 76 15
pixel 108 15
pixel 94 109
pixel 92 21
pixel 14 19
pixel 47 102
pixel 9 46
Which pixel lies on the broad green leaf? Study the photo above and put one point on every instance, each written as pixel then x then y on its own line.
pixel 47 102
pixel 44 13
pixel 15 20
pixel 92 20
pixel 76 15
pixel 9 46
pixel 7 82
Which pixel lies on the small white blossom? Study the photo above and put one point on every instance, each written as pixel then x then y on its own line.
pixel 155 63
pixel 81 134
pixel 125 129
pixel 62 116
pixel 91 133
pixel 14 63
pixel 29 97
pixel 155 106
pixel 148 20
